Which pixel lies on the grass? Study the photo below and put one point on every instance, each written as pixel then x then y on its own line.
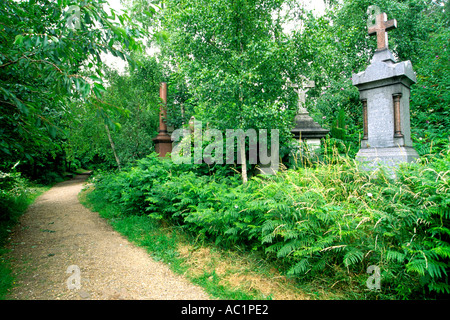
pixel 17 208
pixel 224 274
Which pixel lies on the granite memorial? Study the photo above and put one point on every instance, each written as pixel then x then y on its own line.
pixel 384 89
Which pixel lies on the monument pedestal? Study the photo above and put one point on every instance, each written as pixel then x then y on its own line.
pixel 163 144
pixel 384 89
pixel 390 157
pixel 306 129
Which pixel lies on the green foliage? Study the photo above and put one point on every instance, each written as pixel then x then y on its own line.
pixel 132 118
pixel 229 63
pixel 16 193
pixel 13 194
pixel 43 61
pixel 430 100
pixel 329 220
pixel 235 60
pixel 163 244
pixel 338 130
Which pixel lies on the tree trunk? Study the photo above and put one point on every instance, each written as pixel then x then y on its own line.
pixel 243 159
pixel 112 146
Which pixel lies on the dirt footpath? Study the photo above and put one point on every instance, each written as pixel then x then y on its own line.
pixel 61 250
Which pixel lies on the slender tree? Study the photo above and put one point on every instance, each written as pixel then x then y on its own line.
pixel 234 56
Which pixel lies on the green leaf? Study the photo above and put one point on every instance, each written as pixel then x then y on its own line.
pixel 52 131
pixel 18 40
pixel 417 265
pixel 299 268
pixel 98 89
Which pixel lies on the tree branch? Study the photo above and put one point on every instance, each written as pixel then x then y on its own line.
pixel 13 62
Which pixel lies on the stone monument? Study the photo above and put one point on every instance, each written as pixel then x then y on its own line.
pixel 306 128
pixel 384 89
pixel 163 141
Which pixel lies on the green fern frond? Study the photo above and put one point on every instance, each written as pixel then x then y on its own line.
pixel 439 287
pixel 418 265
pixel 287 249
pixel 442 251
pixel 439 230
pixel 353 257
pixel 319 265
pixel 395 256
pixel 274 248
pixel 436 269
pixel 300 268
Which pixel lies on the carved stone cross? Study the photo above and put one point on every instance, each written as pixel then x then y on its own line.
pixel 301 91
pixel 380 29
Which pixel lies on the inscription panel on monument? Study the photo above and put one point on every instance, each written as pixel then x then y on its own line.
pixel 381 120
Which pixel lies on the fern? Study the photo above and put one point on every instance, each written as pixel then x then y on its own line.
pixel 352 257
pixel 300 268
pixel 288 248
pixel 395 256
pixel 418 265
pixel 306 219
pixel 443 250
pixel 319 265
pixel 440 287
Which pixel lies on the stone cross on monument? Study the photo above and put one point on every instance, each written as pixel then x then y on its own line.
pixel 381 27
pixel 306 128
pixel 301 91
pixel 384 89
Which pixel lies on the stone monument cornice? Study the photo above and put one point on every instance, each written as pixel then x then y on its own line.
pixel 380 71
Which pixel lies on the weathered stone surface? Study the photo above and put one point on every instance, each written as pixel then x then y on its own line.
pixel 382 70
pixel 306 128
pixel 388 158
pixel 380 29
pixel 384 88
pixel 378 84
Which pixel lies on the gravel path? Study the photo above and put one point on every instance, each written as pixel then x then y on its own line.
pixel 58 233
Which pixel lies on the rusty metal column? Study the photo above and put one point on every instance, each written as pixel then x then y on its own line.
pixel 163 141
pixel 397 119
pixel 162 109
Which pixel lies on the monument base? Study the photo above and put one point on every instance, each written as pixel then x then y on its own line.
pixel 163 144
pixel 389 158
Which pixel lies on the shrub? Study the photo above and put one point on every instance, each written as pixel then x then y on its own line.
pixel 14 191
pixel 323 221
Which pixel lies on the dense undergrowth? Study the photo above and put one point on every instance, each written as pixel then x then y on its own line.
pixel 16 194
pixel 328 220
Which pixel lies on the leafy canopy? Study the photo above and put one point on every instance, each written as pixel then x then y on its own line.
pixel 46 48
